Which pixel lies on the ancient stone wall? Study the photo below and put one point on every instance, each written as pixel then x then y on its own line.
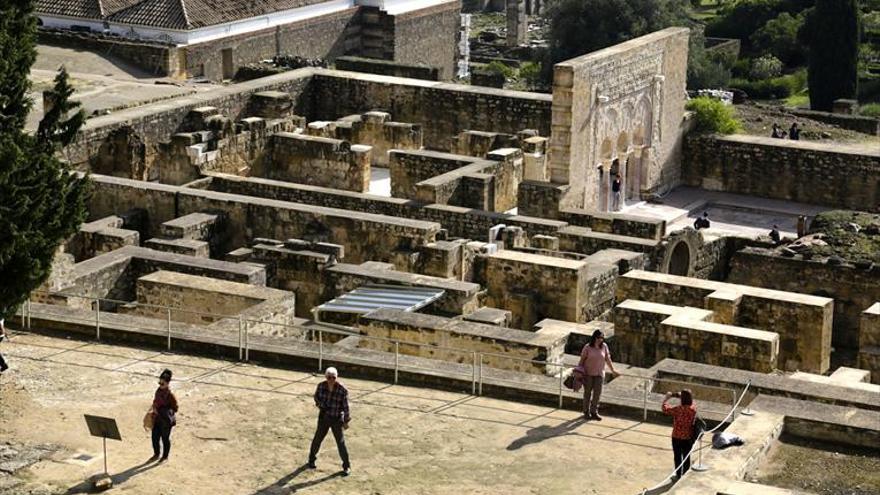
pixel 443 110
pixel 511 349
pixel 429 36
pixel 621 105
pixel 853 289
pixel 327 36
pixel 387 68
pixel 408 168
pixel 319 161
pixel 816 173
pixel 869 342
pixel 803 322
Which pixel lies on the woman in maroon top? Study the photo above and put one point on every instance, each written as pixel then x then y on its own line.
pixel 594 357
pixel 164 413
pixel 683 418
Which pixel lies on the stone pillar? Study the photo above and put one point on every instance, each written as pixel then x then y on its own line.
pixel 516 22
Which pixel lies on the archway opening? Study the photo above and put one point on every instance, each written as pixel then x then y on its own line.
pixel 680 261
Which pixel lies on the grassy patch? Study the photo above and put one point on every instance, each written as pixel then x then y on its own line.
pixel 852 235
pixel 800 100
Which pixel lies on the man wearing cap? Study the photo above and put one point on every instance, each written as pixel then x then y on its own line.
pixel 331 397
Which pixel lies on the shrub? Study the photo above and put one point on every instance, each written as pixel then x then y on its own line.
pixel 775 88
pixel 530 72
pixel 765 67
pixel 713 116
pixel 499 68
pixel 870 110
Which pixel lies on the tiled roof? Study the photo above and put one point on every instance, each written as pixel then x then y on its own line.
pixel 191 14
pixel 87 9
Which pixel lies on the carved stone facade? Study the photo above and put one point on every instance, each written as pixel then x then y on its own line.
pixel 619 110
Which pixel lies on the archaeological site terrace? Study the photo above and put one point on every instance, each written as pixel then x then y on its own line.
pixel 455 239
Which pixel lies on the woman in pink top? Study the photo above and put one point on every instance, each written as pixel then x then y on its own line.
pixel 594 357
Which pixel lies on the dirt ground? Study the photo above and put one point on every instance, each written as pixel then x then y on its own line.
pixel 101 82
pixel 822 469
pixel 245 429
pixel 758 119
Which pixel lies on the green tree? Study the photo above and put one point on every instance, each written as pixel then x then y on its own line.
pixel 41 202
pixel 831 31
pixel 582 26
pixel 779 37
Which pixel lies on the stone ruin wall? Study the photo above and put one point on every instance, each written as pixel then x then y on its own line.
pixel 620 102
pixel 816 173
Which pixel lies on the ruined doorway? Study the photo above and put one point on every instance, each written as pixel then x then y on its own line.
pixel 680 261
pixel 228 65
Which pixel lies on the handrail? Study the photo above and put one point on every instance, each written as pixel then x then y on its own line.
pixel 699 439
pixel 335 329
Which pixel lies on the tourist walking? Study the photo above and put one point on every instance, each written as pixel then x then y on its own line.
pixel 684 418
pixel 615 193
pixel 594 357
pixel 331 398
pixel 163 414
pixel 794 133
pixel 3 336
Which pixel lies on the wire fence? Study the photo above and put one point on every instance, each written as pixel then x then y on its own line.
pixel 237 330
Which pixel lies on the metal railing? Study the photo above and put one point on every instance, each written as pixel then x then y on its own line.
pixel 321 332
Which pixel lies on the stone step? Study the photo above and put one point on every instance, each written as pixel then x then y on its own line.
pixel 851 375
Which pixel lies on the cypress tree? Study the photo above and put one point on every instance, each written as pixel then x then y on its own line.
pixel 41 202
pixel 831 32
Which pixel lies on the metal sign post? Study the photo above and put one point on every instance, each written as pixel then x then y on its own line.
pixel 104 428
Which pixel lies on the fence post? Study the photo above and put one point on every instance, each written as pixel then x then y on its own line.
pixel 699 466
pixel 474 379
pixel 748 410
pixel 561 381
pixel 169 329
pixel 247 343
pixel 29 313
pixel 240 337
pixel 396 359
pixel 480 388
pixel 98 319
pixel 733 404
pixel 320 350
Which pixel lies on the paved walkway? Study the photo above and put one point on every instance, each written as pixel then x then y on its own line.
pixel 257 422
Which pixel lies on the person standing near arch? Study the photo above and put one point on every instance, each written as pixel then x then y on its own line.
pixel 615 192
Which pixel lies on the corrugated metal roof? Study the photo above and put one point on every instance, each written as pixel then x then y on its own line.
pixel 367 298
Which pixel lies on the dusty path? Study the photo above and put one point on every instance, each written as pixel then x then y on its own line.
pixel 245 429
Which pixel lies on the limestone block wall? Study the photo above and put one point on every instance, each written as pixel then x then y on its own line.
pixel 375 129
pixel 803 322
pixel 646 333
pixel 429 36
pixel 442 109
pixel 299 271
pixel 157 58
pixel 869 342
pixel 534 287
pixel 195 296
pixel 817 173
pixel 319 161
pixel 853 289
pixel 387 68
pixel 625 101
pixel 467 336
pixel 409 167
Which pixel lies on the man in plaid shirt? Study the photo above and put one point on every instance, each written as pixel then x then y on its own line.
pixel 331 397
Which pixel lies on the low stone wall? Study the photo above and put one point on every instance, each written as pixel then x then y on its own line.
pixel 803 322
pixel 387 68
pixel 647 333
pixel 615 223
pixel 858 123
pixel 853 289
pixel 442 109
pixel 197 296
pixel 319 161
pixel 869 342
pixel 506 348
pixel 408 168
pixel 816 173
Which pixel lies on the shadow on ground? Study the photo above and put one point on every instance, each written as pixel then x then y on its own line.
pixel 281 486
pixel 543 432
pixel 118 478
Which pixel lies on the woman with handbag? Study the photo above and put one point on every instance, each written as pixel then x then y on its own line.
pixel 684 418
pixel 163 415
pixel 594 357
